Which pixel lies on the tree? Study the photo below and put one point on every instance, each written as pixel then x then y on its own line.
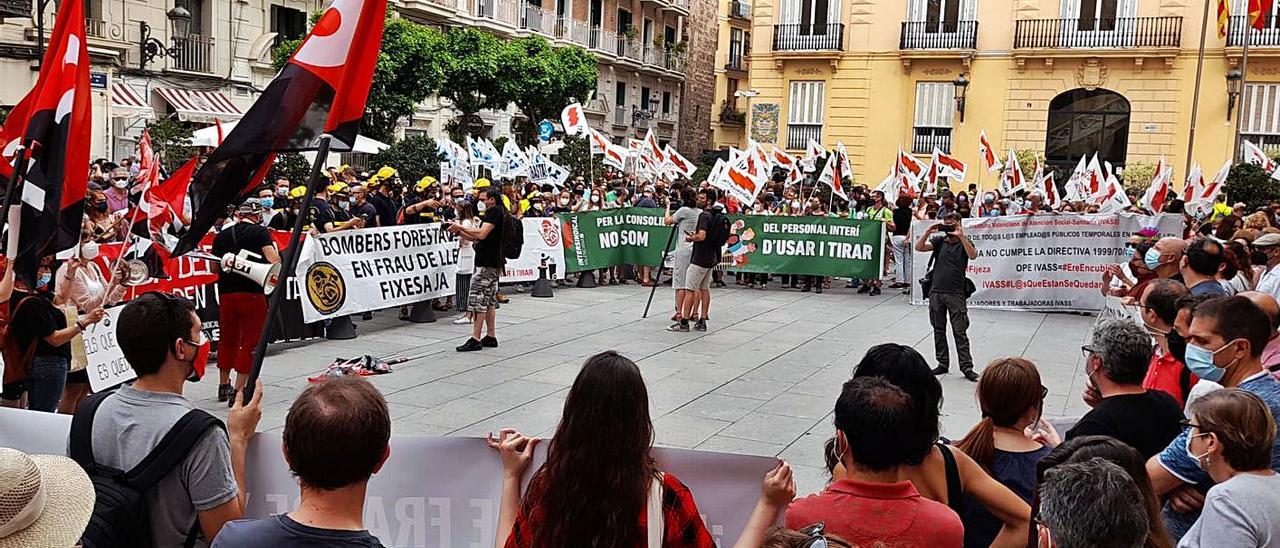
pixel 412 64
pixel 549 78
pixel 1252 185
pixel 292 166
pixel 413 157
pixel 480 71
pixel 1137 176
pixel 576 157
pixel 170 139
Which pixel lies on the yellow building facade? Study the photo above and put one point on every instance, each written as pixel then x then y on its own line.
pixel 732 69
pixel 1059 77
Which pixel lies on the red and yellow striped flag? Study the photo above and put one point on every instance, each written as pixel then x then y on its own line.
pixel 1224 17
pixel 1258 10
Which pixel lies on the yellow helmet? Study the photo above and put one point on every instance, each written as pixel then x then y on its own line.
pixel 424 183
pixel 481 183
pixel 298 192
pixel 373 181
pixel 386 172
pixel 338 187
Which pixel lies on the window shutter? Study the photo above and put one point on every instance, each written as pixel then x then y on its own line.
pixel 806 103
pixel 969 10
pixel 934 104
pixel 1070 9
pixel 916 10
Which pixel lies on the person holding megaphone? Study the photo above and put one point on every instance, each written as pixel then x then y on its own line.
pixel 242 299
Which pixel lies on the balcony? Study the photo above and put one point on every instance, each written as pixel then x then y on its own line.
pixel 798 135
pixel 194 54
pixel 808 37
pixel 621 116
pixel 739 10
pixel 95 28
pixel 737 62
pixel 1268 37
pixel 1106 33
pixel 925 139
pixel 939 35
pixel 730 115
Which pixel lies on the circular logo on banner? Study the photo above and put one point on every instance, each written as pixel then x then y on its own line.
pixel 549 233
pixel 325 288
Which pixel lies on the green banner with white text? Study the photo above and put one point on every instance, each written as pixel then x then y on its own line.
pixel 822 246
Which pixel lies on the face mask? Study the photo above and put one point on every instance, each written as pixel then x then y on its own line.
pixel 1128 252
pixel 480 207
pixel 89 251
pixel 42 282
pixel 351 200
pixel 201 359
pixel 268 202
pixel 345 205
pixel 1200 361
pixel 1177 345
pixel 1258 258
pixel 595 199
pixel 120 183
pixel 564 201
pixel 101 207
pixel 282 192
pixel 1195 457
pixel 1152 258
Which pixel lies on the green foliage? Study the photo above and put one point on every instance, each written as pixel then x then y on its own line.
pixel 706 162
pixel 549 77
pixel 1252 185
pixel 291 166
pixel 500 142
pixel 576 157
pixel 1137 176
pixel 412 65
pixel 169 139
pixel 413 157
pixel 479 70
pixel 1027 161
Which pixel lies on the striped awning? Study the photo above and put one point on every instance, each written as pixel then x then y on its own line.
pixel 127 103
pixel 200 106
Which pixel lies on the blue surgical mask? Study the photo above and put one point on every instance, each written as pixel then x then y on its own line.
pixel 1152 258
pixel 1200 361
pixel 268 202
pixel 43 281
pixel 1128 252
pixel 1195 457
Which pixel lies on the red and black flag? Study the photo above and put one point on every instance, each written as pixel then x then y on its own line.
pixel 322 89
pixel 53 121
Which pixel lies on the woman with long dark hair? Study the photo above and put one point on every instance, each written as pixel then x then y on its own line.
pixel 600 481
pixel 1011 399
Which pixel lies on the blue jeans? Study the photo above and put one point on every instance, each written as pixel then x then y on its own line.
pixel 45 380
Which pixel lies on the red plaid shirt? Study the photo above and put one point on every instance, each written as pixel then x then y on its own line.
pixel 683 524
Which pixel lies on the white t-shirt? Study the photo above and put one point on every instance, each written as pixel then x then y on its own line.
pixel 1270 282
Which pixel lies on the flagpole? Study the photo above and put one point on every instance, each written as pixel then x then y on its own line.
pixel 19 166
pixel 1244 87
pixel 290 261
pixel 1195 98
pixel 654 289
pixel 133 218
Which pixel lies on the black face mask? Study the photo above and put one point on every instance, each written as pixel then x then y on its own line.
pixel 101 207
pixel 1257 257
pixel 1177 345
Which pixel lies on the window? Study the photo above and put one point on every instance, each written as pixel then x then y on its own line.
pixel 811 16
pixel 1260 115
pixel 646 33
pixel 666 102
pixel 804 113
pixel 644 99
pixel 196 7
pixel 1083 121
pixel 624 20
pixel 736 42
pixel 935 105
pixel 288 23
pixel 1098 15
pixel 620 94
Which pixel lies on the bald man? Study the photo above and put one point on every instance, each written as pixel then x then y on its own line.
pixel 1269 306
pixel 1165 259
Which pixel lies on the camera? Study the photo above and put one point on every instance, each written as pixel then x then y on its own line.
pixel 943 227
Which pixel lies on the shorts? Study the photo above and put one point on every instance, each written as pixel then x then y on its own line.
pixel 698 277
pixel 483 293
pixel 680 267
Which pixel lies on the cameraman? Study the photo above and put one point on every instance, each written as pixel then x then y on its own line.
pixel 952 251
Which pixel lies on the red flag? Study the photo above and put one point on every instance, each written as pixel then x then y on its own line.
pixel 988 153
pixel 173 191
pixel 55 119
pixel 322 89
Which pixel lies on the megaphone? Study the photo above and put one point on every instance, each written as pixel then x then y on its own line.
pixel 265 275
pixel 136 272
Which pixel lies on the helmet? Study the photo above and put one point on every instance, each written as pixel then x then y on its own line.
pixel 338 188
pixel 481 183
pixel 297 192
pixel 386 172
pixel 426 182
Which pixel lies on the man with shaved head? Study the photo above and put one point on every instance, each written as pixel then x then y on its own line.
pixel 1269 306
pixel 1165 259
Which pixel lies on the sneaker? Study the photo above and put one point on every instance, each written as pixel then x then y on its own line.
pixel 941 370
pixel 971 375
pixel 231 397
pixel 865 288
pixel 462 320
pixel 224 392
pixel 875 291
pixel 700 325
pixel 681 326
pixel 489 341
pixel 470 346
pixel 503 299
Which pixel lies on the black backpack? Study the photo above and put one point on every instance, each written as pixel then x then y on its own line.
pixel 120 516
pixel 718 228
pixel 512 236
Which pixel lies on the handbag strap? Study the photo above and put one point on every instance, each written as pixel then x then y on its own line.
pixel 955 490
pixel 654 520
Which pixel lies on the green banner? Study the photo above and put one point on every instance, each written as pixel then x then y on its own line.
pixel 607 238
pixel 822 246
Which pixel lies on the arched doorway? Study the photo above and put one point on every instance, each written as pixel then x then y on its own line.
pixel 1082 122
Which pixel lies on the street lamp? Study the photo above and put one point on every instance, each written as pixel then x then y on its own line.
pixel 151 47
pixel 640 114
pixel 962 85
pixel 1234 76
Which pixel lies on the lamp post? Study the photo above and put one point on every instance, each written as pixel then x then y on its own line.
pixel 641 114
pixel 1234 76
pixel 152 48
pixel 962 85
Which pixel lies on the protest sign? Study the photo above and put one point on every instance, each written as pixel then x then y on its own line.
pixel 106 367
pixel 821 246
pixel 607 238
pixel 439 491
pixel 541 243
pixel 361 270
pixel 1049 262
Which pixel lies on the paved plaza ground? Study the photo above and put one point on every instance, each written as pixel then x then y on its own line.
pixel 762 380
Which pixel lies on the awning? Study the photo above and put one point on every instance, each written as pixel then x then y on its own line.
pixel 200 106
pixel 208 137
pixel 127 103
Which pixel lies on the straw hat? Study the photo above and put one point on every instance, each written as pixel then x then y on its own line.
pixel 45 500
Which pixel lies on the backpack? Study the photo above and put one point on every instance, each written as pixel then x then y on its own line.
pixel 16 358
pixel 120 516
pixel 718 228
pixel 512 236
